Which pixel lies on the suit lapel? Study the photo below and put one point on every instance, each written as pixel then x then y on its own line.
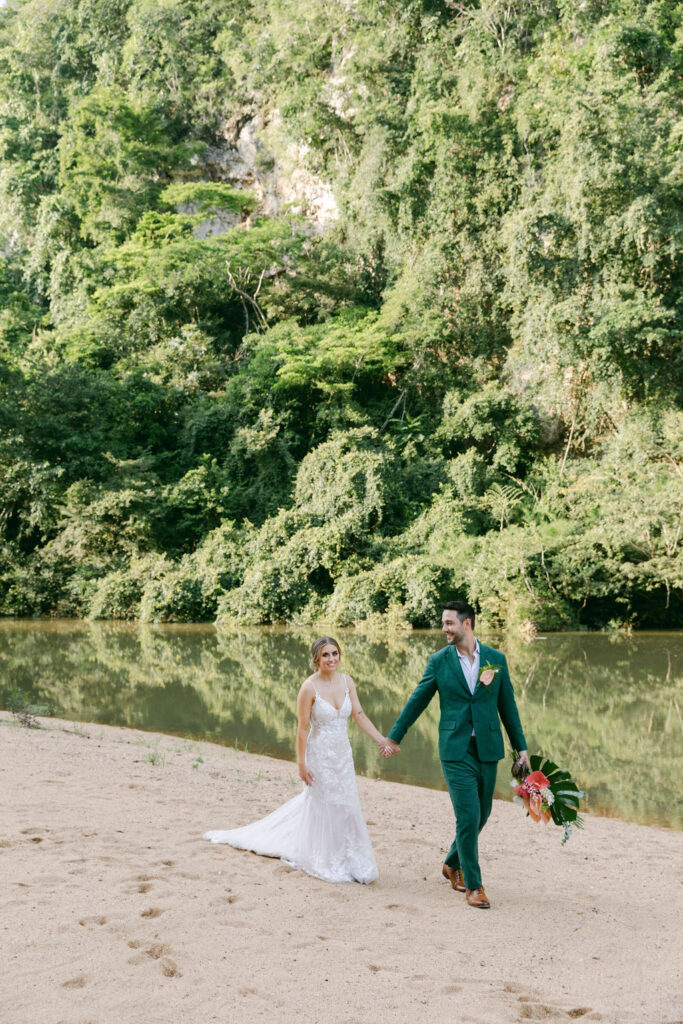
pixel 457 670
pixel 484 657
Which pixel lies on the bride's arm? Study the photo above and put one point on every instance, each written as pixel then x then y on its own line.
pixel 304 703
pixel 359 716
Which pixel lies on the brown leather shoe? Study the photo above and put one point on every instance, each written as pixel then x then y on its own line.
pixel 477 898
pixel 455 877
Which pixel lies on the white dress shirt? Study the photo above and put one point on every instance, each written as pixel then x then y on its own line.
pixel 470 669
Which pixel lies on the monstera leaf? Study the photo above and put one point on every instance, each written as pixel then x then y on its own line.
pixel 564 808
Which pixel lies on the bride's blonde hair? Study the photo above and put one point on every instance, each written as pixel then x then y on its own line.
pixel 316 649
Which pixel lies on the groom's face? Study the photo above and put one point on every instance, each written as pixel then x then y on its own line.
pixel 453 628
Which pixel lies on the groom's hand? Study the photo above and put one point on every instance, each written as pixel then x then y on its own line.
pixel 388 747
pixel 524 759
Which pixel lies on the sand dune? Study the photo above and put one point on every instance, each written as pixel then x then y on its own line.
pixel 115 910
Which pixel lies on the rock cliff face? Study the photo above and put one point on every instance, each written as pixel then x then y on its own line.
pixel 259 158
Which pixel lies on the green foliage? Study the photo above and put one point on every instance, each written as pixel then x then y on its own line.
pixel 17 702
pixel 471 383
pixel 19 315
pixel 170 56
pixel 208 196
pixel 112 156
pixel 343 492
pixel 493 422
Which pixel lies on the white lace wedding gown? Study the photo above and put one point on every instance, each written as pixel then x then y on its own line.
pixel 322 830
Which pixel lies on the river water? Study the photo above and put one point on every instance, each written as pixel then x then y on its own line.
pixel 606 707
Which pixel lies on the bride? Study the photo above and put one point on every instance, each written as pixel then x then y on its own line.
pixel 322 830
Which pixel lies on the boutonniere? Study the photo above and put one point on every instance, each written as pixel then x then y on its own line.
pixel 488 673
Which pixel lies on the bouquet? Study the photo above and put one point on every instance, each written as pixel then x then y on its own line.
pixel 547 792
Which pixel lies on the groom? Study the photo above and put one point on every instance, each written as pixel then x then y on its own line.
pixel 475 694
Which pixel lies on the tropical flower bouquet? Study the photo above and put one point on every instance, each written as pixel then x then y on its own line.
pixel 547 792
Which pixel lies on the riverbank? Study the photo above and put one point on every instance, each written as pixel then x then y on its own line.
pixel 117 911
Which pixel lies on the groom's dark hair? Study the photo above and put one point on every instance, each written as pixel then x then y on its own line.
pixel 463 609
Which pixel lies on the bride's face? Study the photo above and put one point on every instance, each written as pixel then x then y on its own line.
pixel 329 658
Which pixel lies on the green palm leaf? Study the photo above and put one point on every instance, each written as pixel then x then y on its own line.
pixel 566 794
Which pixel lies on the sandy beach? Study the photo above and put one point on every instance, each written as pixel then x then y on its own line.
pixel 115 910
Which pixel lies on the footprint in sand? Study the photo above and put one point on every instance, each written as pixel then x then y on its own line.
pixel 451 989
pixel 283 869
pixel 143 882
pixel 229 897
pixel 154 951
pixel 79 982
pixel 406 908
pixel 158 952
pixel 538 1011
pixel 170 969
pixel 152 912
pixel 87 922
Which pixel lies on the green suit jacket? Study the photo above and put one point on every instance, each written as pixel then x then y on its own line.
pixel 462 711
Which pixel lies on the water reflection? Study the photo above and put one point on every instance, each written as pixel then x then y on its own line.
pixel 609 708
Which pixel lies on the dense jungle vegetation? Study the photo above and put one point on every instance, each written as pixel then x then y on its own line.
pixel 469 384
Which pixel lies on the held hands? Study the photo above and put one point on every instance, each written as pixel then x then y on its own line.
pixel 305 774
pixel 388 747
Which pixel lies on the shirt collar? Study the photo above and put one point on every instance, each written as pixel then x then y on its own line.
pixel 477 651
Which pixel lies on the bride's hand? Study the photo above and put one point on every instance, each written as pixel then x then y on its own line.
pixel 305 774
pixel 388 747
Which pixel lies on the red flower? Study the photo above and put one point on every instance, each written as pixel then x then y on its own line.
pixel 537 780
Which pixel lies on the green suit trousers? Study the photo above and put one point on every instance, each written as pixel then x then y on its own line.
pixel 471 783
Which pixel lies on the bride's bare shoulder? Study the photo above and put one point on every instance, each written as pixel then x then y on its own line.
pixel 308 686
